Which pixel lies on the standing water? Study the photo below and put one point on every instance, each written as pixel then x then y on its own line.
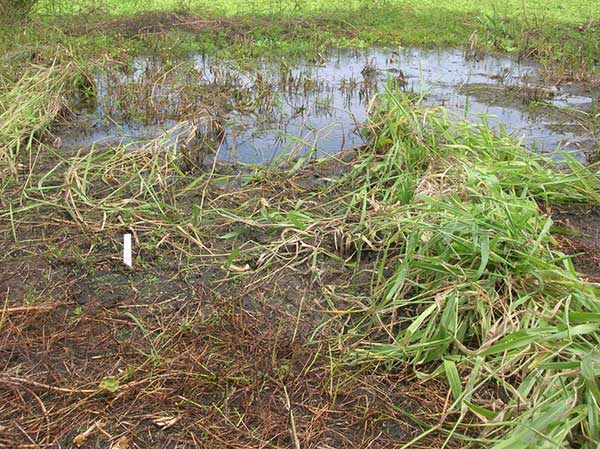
pixel 266 111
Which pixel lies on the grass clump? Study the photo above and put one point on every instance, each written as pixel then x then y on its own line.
pixel 471 285
pixel 27 108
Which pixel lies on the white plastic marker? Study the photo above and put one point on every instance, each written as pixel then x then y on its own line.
pixel 127 250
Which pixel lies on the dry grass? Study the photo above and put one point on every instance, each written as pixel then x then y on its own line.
pixel 199 372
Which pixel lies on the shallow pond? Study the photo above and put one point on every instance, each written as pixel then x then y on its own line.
pixel 262 111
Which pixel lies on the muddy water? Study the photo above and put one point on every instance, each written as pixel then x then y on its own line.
pixel 259 112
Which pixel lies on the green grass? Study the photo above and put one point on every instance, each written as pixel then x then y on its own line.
pixel 572 11
pixel 561 33
pixel 27 108
pixel 470 284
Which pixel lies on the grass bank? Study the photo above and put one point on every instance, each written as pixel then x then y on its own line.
pixel 562 35
pixel 469 273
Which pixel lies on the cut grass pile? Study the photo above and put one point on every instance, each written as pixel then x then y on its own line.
pixel 445 218
pixel 479 293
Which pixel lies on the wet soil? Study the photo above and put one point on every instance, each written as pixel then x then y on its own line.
pixel 196 359
pixel 580 236
pixel 184 352
pixel 220 384
pixel 29 278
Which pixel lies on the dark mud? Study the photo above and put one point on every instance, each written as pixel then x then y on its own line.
pixel 188 353
pixel 579 234
pixel 235 382
pixel 193 359
pixel 31 280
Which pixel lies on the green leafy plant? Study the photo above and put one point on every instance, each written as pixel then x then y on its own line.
pixel 497 33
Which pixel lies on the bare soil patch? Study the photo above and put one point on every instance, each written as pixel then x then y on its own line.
pixel 583 240
pixel 170 375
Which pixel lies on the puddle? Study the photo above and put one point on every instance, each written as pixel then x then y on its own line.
pixel 264 111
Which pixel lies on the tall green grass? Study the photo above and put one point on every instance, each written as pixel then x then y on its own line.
pixel 471 285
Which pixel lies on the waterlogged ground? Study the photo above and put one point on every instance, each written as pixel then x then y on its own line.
pixel 261 111
pixel 412 292
pixel 276 313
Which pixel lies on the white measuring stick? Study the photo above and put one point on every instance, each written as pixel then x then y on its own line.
pixel 127 250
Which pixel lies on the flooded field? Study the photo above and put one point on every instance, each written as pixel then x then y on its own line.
pixel 262 111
